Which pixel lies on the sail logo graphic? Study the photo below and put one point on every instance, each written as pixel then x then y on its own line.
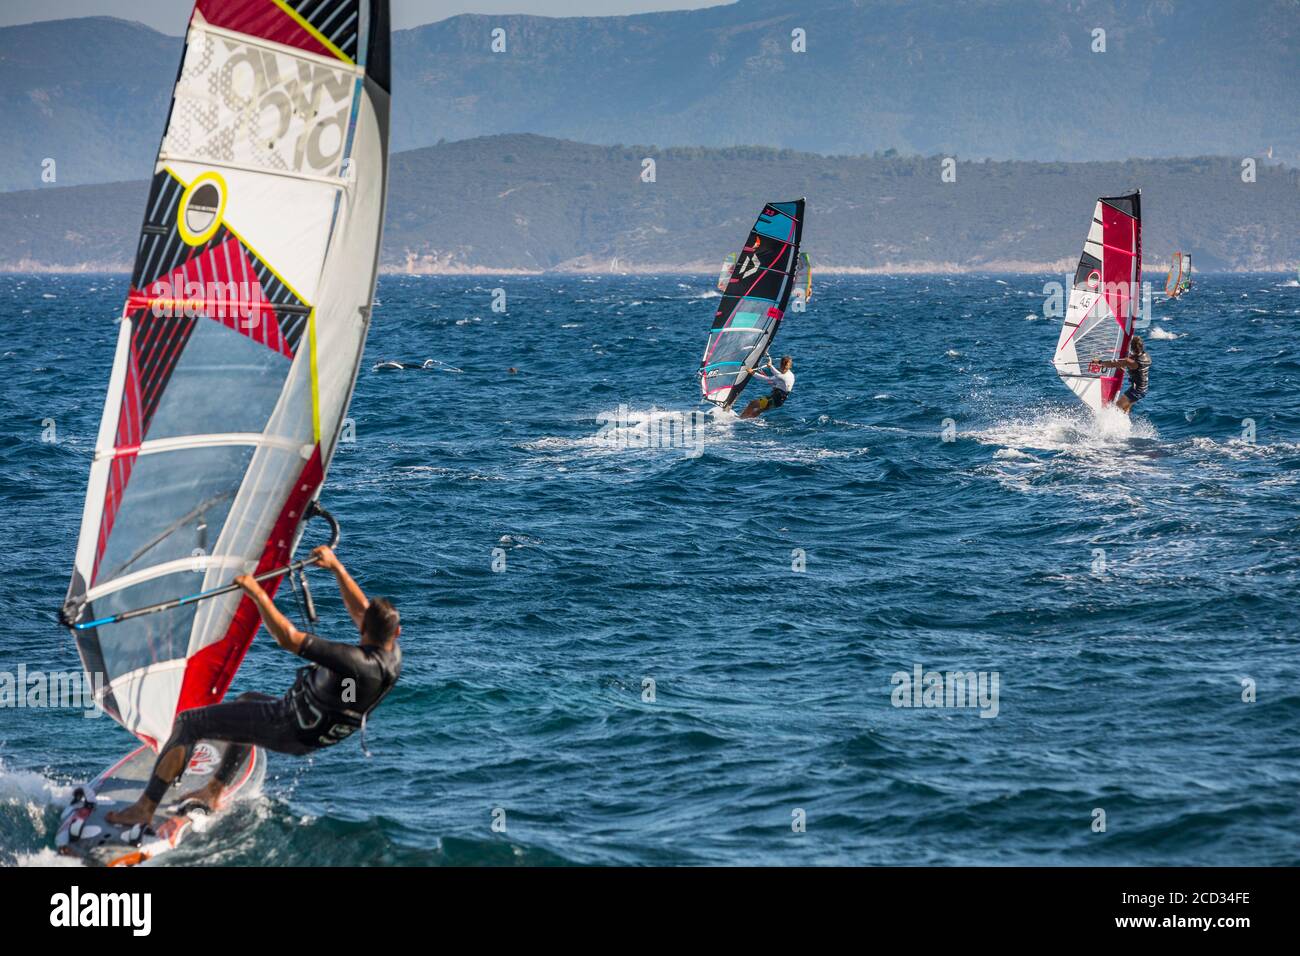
pixel 203 209
pixel 248 105
pixel 204 760
pixel 201 206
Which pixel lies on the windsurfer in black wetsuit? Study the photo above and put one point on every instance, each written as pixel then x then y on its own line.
pixel 330 699
pixel 1138 365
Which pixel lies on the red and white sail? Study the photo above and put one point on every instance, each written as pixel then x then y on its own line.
pixel 1104 300
pixel 239 341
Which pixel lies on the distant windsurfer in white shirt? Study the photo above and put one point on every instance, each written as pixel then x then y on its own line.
pixel 782 382
pixel 1138 365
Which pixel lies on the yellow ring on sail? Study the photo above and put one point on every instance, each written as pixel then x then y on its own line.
pixel 199 237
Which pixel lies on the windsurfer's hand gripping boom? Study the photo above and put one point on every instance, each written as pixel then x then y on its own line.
pixel 758 370
pixel 354 599
pixel 281 628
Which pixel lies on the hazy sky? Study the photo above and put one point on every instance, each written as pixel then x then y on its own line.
pixel 170 16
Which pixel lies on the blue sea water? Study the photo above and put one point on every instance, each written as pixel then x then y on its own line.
pixel 1133 586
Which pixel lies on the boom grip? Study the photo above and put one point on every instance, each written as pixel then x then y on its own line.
pixel 315 510
pixel 68 619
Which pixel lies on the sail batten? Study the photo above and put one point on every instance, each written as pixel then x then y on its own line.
pixel 754 300
pixel 240 335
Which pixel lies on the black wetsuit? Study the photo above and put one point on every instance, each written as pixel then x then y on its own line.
pixel 1138 377
pixel 329 700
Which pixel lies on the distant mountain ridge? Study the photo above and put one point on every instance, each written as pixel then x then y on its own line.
pixel 530 203
pixel 1004 79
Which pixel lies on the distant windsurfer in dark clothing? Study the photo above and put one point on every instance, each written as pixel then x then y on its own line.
pixel 1138 365
pixel 782 382
pixel 329 700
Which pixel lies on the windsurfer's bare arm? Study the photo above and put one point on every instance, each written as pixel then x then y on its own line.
pixel 353 597
pixel 1124 363
pixel 285 634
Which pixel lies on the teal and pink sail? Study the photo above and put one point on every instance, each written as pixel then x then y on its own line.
pixel 754 300
pixel 238 345
pixel 1104 301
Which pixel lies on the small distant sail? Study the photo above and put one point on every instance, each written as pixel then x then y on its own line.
pixel 1178 280
pixel 1103 301
pixel 1173 281
pixel 238 345
pixel 725 275
pixel 753 302
pixel 807 275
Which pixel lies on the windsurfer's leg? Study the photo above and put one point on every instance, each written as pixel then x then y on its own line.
pixel 231 761
pixel 1127 400
pixel 246 721
pixel 171 763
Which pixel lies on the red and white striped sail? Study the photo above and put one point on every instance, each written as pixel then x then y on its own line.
pixel 239 342
pixel 1104 301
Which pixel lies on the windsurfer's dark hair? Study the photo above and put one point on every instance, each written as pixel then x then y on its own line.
pixel 786 358
pixel 381 621
pixel 1137 345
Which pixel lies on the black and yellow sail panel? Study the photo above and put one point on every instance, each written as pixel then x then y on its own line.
pixel 753 303
pixel 324 27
